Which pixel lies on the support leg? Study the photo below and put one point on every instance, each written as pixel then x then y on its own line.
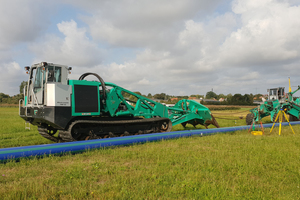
pixel 280 120
pixel 274 122
pixel 288 122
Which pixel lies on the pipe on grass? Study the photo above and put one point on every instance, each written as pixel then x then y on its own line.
pixel 61 148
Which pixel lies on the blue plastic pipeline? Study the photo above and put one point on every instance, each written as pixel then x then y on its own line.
pixel 60 148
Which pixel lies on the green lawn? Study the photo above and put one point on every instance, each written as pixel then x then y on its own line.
pixel 12 130
pixel 224 166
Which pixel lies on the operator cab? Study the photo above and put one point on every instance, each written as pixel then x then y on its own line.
pixel 41 76
pixel 276 94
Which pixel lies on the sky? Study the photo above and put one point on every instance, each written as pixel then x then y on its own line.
pixel 177 47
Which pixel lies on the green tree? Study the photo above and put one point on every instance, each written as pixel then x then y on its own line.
pixel 4 98
pixel 125 94
pixel 211 95
pixel 23 84
pixel 198 96
pixel 248 99
pixel 160 96
pixel 182 97
pixel 257 97
pixel 228 98
pixel 134 98
pixel 221 96
pixel 239 99
pixel 138 93
pixel 236 99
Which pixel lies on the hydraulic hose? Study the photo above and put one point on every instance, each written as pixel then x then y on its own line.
pixel 100 80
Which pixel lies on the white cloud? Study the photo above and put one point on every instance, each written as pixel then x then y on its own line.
pixel 142 23
pixel 10 78
pixel 74 49
pixel 269 34
pixel 144 82
pixel 22 21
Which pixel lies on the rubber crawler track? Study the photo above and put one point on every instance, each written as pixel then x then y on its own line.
pixel 87 127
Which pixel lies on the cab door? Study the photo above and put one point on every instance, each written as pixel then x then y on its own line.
pixel 38 86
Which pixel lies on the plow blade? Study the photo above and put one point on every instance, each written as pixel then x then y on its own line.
pixel 191 112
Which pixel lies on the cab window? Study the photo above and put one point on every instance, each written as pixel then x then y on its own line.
pixel 39 80
pixel 54 74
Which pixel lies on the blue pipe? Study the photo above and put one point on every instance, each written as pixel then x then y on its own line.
pixel 60 148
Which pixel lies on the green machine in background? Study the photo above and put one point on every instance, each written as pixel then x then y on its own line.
pixel 82 109
pixel 277 100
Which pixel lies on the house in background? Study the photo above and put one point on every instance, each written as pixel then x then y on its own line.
pixel 222 99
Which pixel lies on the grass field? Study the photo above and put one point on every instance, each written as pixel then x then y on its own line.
pixel 224 166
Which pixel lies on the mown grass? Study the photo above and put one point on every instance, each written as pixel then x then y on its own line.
pixel 223 166
pixel 12 130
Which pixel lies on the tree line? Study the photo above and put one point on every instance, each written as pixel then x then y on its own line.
pixel 229 99
pixel 236 99
pixel 6 99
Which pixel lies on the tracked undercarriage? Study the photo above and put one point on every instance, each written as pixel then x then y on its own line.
pixel 88 130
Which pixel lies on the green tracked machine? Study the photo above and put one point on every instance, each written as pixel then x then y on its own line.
pixel 82 109
pixel 277 100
